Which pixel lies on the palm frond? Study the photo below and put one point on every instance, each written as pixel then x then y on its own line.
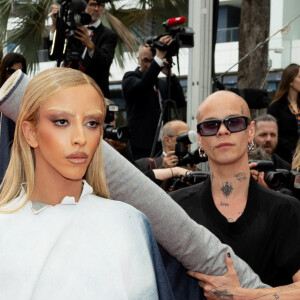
pixel 129 40
pixel 29 30
pixel 5 8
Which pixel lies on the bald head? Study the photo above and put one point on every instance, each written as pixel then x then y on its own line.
pixel 170 132
pixel 220 101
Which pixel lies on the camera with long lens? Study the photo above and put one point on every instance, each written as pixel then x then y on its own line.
pixel 277 179
pixel 121 133
pixel 187 149
pixel 65 47
pixel 182 37
pixel 189 179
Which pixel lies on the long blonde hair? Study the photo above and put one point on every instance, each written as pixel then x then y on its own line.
pixel 21 166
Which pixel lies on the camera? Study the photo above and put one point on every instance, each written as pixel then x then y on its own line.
pixel 277 179
pixel 64 45
pixel 185 154
pixel 120 134
pixel 182 37
pixel 189 179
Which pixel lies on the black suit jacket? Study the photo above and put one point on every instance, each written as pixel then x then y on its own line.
pixel 98 65
pixel 142 103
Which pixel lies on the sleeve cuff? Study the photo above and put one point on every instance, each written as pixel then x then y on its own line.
pixel 159 61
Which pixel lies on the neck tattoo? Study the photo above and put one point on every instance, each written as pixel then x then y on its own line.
pixel 240 176
pixel 227 188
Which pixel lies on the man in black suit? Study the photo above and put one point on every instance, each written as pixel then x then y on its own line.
pixel 144 93
pixel 98 44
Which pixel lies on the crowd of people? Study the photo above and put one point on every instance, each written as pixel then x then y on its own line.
pixel 233 236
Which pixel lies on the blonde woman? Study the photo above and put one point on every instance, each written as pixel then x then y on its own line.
pixel 61 237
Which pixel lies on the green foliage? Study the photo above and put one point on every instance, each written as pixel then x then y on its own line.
pixel 130 24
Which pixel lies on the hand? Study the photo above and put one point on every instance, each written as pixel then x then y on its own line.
pixel 226 286
pixel 166 39
pixel 165 69
pixel 53 13
pixel 258 176
pixel 81 33
pixel 170 161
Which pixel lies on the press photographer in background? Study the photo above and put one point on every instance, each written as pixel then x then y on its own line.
pixel 266 137
pixel 90 45
pixel 144 93
pixel 264 171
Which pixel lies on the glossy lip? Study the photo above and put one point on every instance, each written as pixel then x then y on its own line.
pixel 77 157
pixel 221 145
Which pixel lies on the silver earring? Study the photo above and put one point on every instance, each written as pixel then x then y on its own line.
pixel 202 154
pixel 251 146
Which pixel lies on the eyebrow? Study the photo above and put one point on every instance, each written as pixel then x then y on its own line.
pixel 61 109
pixel 93 112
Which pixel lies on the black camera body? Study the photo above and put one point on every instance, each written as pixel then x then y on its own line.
pixel 182 37
pixel 185 154
pixel 120 134
pixel 277 179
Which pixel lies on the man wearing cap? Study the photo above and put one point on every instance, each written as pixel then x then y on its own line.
pixel 99 43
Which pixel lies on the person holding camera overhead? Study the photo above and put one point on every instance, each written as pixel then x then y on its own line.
pixel 98 44
pixel 261 225
pixel 144 93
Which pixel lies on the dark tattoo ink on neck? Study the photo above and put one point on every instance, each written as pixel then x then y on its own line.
pixel 224 204
pixel 227 189
pixel 231 220
pixel 242 108
pixel 212 177
pixel 240 176
pixel 276 296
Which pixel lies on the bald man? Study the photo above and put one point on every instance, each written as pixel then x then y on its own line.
pixel 145 94
pixel 262 226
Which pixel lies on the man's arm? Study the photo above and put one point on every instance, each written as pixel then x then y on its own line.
pixel 133 84
pixel 228 287
pixel 103 53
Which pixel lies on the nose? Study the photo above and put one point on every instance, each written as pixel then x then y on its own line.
pixel 268 138
pixel 223 130
pixel 78 135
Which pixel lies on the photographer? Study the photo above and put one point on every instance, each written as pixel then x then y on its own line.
pixel 264 171
pixel 170 131
pixel 144 93
pixel 97 44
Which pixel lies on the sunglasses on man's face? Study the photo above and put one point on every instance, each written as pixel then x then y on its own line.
pixel 233 124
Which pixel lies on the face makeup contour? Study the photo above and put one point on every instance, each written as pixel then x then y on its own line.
pixel 68 133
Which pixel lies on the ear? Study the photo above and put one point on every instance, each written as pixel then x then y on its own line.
pixel 251 131
pixel 199 139
pixel 165 139
pixel 29 133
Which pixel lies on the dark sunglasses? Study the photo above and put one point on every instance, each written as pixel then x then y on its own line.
pixel 10 71
pixel 233 124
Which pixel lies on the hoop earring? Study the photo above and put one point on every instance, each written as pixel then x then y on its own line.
pixel 251 146
pixel 202 154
